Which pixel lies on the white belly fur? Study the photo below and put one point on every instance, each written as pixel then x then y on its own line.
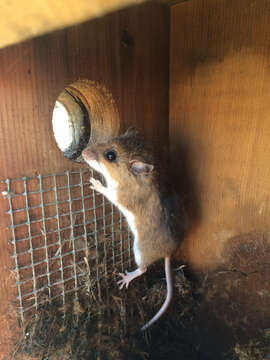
pixel 130 219
pixel 111 194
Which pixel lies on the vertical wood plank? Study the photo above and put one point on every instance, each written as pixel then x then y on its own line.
pixel 219 100
pixel 219 132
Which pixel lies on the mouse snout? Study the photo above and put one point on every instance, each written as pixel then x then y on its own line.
pixel 89 154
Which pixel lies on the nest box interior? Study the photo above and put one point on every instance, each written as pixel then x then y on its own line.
pixel 194 78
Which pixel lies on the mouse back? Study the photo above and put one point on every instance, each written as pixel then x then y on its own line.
pixel 173 213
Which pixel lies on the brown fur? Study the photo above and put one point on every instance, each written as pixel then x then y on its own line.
pixel 159 217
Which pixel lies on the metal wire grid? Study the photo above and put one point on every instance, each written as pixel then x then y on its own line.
pixel 62 234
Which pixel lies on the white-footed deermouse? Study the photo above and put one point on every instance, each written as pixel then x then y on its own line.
pixel 135 185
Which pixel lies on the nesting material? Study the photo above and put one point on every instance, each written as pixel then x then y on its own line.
pixel 91 328
pixel 256 349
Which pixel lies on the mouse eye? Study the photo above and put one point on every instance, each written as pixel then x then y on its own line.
pixel 110 155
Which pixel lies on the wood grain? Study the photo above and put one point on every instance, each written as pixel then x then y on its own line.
pixel 219 133
pixel 219 116
pixel 127 52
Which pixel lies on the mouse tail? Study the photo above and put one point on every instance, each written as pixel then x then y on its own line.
pixel 169 296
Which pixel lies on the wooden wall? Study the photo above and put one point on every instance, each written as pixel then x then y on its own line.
pixel 219 133
pixel 127 52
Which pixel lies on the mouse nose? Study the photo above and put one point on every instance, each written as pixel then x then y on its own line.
pixel 89 154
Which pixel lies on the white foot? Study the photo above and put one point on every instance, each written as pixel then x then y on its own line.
pixel 96 185
pixel 128 277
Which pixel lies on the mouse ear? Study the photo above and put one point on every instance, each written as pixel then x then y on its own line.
pixel 138 167
pixel 131 131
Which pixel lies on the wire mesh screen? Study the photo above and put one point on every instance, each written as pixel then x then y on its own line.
pixel 62 233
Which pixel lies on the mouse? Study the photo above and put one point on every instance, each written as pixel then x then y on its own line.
pixel 136 185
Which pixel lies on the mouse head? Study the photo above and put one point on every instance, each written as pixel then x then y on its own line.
pixel 123 159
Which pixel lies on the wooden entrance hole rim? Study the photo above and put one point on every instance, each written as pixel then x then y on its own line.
pixel 85 113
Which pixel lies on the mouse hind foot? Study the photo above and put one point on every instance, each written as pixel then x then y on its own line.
pixel 129 276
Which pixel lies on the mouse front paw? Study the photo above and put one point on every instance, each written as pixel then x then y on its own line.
pixel 97 186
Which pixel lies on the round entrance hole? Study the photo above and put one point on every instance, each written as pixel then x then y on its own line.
pixel 84 113
pixel 71 125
